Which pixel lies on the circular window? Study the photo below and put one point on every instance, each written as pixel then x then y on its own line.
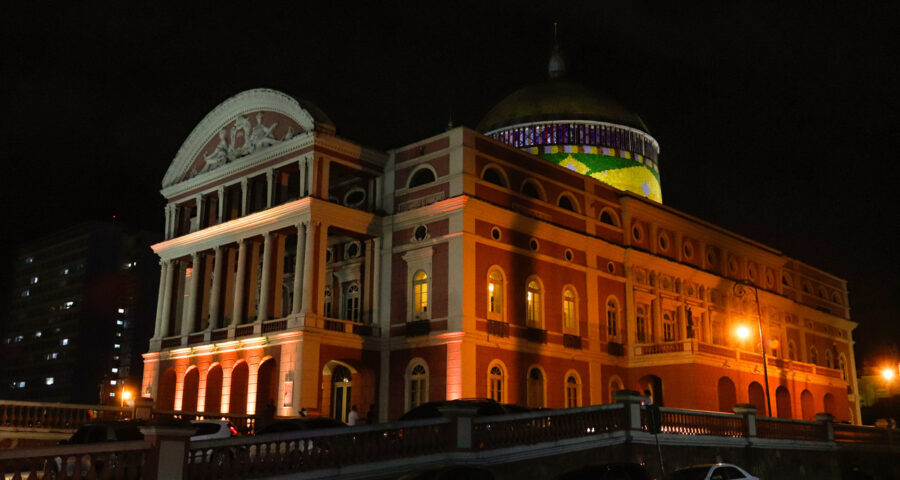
pixel 711 257
pixel 355 197
pixel 569 255
pixel 533 244
pixel 353 250
pixel 420 233
pixel 611 267
pixel 688 250
pixel 637 233
pixel 495 233
pixel 663 241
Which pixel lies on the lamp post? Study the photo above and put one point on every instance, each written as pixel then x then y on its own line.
pixel 740 289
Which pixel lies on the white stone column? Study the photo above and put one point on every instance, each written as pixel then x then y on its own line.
pixel 216 294
pixel 312 229
pixel 301 165
pixel 198 199
pixel 238 310
pixel 299 262
pixel 263 313
pixel 311 171
pixel 366 291
pixel 244 185
pixel 190 317
pixel 270 176
pixel 220 211
pixel 166 230
pixel 166 316
pixel 157 327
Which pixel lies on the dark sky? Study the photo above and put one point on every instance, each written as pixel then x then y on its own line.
pixel 776 121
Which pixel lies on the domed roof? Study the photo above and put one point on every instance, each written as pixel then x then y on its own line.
pixel 558 100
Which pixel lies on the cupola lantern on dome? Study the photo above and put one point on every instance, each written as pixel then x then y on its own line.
pixel 572 126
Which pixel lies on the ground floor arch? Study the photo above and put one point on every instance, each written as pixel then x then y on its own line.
pixel 727 394
pixel 240 374
pixel 190 390
pixel 165 397
pixel 213 401
pixel 783 402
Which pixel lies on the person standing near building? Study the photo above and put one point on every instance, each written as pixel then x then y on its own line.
pixel 353 416
pixel 370 415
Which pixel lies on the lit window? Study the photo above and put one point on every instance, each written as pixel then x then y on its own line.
pixel 65 271
pixel 116 345
pixel 114 370
pixel 48 381
pixel 19 338
pixel 29 260
pixel 26 293
pixel 118 334
pixel 34 280
pixel 69 304
pixel 120 323
pixel 495 381
pixel 64 342
pixel 37 334
pixel 569 309
pixel 112 394
pixel 533 299
pixel 112 382
pixel 420 295
pixel 115 357
pixel 351 304
pixel 22 384
pixel 669 333
pixel 612 318
pixel 121 310
pixel 51 356
pixel 495 293
pixel 417 386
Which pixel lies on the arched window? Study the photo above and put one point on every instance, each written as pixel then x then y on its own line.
pixel 497 384
pixel 757 398
pixel 533 300
pixel 416 384
pixel 573 391
pixel 607 217
pixel 792 350
pixel 643 334
pixel 535 388
pixel 669 330
pixel 727 395
pixel 615 384
pixel 813 356
pixel 530 189
pixel 783 402
pixel 718 330
pixel 829 359
pixel 492 175
pixel 807 409
pixel 420 295
pixel 566 202
pixel 570 315
pixel 420 177
pixel 495 298
pixel 828 402
pixel 351 302
pixel 612 318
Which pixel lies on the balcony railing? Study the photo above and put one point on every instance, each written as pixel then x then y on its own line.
pixel 536 335
pixel 418 328
pixel 55 416
pixel 789 429
pixel 497 329
pixel 502 431
pixel 616 349
pixel 673 347
pixel 170 342
pixel 572 341
pixel 120 460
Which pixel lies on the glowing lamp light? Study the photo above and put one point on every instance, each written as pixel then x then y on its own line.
pixel 126 395
pixel 743 332
pixel 887 373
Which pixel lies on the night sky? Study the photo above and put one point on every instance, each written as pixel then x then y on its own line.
pixel 775 121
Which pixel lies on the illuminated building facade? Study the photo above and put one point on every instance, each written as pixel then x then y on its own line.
pixel 83 298
pixel 303 270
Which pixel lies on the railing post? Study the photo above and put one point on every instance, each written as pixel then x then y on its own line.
pixel 827 419
pixel 167 457
pixel 748 411
pixel 461 418
pixel 632 402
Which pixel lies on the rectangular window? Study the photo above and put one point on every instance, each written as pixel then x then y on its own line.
pixel 48 381
pixel 669 327
pixel 569 312
pixel 114 370
pixel 641 320
pixel 69 305
pixel 112 382
pixel 116 345
pixel 64 342
pixel 34 280
pixel 121 310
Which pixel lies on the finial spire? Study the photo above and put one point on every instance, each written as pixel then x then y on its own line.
pixel 557 66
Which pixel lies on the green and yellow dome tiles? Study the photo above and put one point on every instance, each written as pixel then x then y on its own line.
pixel 572 126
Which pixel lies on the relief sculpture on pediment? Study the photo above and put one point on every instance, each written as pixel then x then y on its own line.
pixel 242 138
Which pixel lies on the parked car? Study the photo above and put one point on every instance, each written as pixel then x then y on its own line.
pixel 718 471
pixel 483 407
pixel 298 424
pixel 213 429
pixel 610 471
pixel 91 433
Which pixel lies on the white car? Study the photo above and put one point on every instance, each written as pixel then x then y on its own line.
pixel 718 471
pixel 213 430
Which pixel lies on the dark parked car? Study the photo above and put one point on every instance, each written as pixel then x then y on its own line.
pixel 122 431
pixel 612 471
pixel 299 424
pixel 483 407
pixel 105 432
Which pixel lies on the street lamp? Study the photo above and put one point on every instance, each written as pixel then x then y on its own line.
pixel 740 289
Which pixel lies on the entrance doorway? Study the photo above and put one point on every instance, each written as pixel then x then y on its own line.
pixel 341 387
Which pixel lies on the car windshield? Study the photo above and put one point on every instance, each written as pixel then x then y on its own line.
pixel 695 473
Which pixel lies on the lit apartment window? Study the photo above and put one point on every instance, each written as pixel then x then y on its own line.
pixel 69 304
pixel 118 334
pixel 22 384
pixel 65 271
pixel 115 357
pixel 51 356
pixel 48 381
pixel 120 322
pixel 533 305
pixel 115 370
pixel 121 310
pixel 29 260
pixel 112 382
pixel 420 295
pixel 116 345
pixel 64 342
pixel 37 334
pixel 34 280
pixel 26 293
pixel 19 338
pixel 112 394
